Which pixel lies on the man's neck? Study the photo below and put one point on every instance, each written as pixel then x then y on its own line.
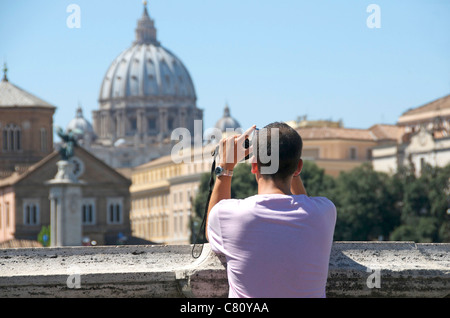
pixel 269 186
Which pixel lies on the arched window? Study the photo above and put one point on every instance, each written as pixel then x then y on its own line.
pixel 12 138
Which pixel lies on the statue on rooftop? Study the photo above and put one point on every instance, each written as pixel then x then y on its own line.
pixel 69 139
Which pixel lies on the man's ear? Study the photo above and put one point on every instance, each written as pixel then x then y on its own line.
pixel 299 167
pixel 254 168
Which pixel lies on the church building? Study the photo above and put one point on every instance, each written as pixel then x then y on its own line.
pixel 26 128
pixel 146 93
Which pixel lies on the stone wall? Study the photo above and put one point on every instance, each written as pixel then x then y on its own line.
pixel 357 269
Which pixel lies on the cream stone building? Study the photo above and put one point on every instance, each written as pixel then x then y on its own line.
pixel 425 139
pixel 432 116
pixel 337 149
pixel 162 193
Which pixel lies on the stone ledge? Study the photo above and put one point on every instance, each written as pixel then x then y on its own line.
pixel 404 269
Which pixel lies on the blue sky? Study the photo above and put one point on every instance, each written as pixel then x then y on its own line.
pixel 270 60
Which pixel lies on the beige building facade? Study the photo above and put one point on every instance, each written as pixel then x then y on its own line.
pixel 425 139
pixel 162 195
pixel 338 149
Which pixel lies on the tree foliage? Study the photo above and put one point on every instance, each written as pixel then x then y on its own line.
pixel 424 203
pixel 363 199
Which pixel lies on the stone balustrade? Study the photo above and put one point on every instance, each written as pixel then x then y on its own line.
pixel 357 269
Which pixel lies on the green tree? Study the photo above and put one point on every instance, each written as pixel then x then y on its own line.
pixel 316 182
pixel 424 202
pixel 243 184
pixel 365 202
pixel 199 205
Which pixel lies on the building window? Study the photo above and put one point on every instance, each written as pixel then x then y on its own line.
pixel 311 153
pixel 133 124
pixel 88 211
pixel 353 153
pixel 171 123
pixel 114 211
pixel 178 223
pixel 12 138
pixel 151 124
pixel 31 212
pixel 422 163
pixel 369 154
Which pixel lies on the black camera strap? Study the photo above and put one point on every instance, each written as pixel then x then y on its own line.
pixel 202 228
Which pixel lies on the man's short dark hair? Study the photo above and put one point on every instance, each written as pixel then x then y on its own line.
pixel 290 149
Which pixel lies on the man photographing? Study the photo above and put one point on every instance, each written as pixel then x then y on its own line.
pixel 277 243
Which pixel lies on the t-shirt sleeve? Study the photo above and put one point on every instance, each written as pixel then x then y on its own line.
pixel 328 207
pixel 214 230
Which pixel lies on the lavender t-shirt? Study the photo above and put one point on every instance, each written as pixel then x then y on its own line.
pixel 275 245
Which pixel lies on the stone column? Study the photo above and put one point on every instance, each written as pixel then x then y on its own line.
pixel 163 122
pixel 65 207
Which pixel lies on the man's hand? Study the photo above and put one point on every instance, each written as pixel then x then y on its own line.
pixel 297 186
pixel 232 149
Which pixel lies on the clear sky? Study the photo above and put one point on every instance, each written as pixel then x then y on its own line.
pixel 270 60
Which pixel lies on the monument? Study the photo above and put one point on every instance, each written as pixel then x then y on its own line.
pixel 65 197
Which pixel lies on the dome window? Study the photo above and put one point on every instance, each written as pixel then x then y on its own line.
pixel 151 124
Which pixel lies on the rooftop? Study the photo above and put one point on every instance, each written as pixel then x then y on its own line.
pixel 14 96
pixel 375 133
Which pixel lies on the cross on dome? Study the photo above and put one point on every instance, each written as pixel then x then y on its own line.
pixel 5 71
pixel 146 31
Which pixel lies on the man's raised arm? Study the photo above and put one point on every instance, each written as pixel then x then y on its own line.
pixel 231 151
